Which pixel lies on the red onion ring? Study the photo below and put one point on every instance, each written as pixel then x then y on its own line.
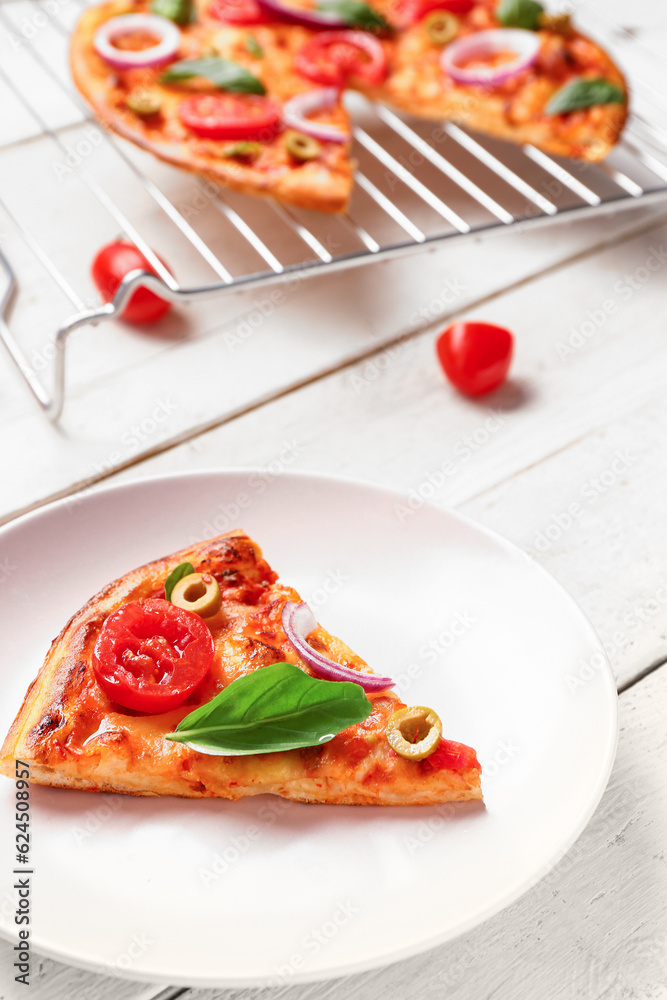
pixel 299 15
pixel 297 109
pixel 167 32
pixel 299 621
pixel 526 44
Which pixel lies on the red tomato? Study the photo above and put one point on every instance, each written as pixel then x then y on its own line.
pixel 453 756
pixel 238 12
pixel 475 356
pixel 408 12
pixel 110 266
pixel 332 57
pixel 150 655
pixel 230 116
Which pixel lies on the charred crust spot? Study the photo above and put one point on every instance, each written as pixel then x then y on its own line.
pixel 47 725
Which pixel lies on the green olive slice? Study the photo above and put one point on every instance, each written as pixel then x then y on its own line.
pixel 441 27
pixel 415 732
pixel 144 102
pixel 243 150
pixel 301 146
pixel 197 592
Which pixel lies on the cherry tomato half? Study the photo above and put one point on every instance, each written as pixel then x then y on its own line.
pixel 238 12
pixel 110 266
pixel 230 116
pixel 453 756
pixel 150 655
pixel 332 57
pixel 475 356
pixel 408 12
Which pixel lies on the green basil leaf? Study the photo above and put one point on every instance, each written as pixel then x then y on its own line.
pixel 180 11
pixel 355 13
pixel 183 569
pixel 278 707
pixel 253 47
pixel 583 93
pixel 225 74
pixel 520 14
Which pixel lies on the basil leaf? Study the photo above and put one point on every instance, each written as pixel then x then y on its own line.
pixel 253 47
pixel 278 707
pixel 183 569
pixel 520 14
pixel 180 11
pixel 225 74
pixel 356 14
pixel 583 93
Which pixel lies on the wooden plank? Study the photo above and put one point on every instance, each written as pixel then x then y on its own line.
pixel 558 434
pixel 222 355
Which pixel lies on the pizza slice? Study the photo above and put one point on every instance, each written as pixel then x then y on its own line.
pixel 228 688
pixel 508 69
pixel 218 101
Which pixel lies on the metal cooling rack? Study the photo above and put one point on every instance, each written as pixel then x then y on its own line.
pixel 416 183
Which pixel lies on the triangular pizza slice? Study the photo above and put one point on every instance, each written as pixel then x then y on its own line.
pixel 228 689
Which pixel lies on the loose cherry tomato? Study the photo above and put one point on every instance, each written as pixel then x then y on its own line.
pixel 408 12
pixel 475 356
pixel 453 756
pixel 238 12
pixel 332 57
pixel 150 655
pixel 110 266
pixel 230 116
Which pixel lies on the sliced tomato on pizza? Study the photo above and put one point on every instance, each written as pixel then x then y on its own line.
pixel 201 675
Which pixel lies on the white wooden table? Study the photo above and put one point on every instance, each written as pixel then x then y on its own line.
pixel 340 376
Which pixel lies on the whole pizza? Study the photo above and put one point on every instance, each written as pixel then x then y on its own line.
pixel 249 92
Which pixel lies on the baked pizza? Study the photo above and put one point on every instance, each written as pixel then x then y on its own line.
pixel 201 675
pixel 248 92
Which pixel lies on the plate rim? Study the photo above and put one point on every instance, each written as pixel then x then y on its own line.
pixel 498 904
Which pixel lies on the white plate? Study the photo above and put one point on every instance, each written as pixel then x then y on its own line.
pixel 215 893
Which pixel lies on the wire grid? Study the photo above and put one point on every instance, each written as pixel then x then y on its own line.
pixel 417 183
